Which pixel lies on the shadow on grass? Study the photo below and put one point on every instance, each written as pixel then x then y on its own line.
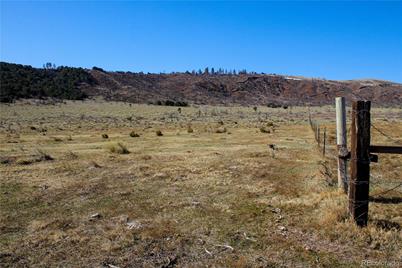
pixel 387 225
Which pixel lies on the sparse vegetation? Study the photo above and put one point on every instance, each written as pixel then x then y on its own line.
pixel 134 134
pixel 118 148
pixel 246 198
pixel 159 133
pixel 37 157
pixel 221 130
pixel 172 103
pixel 264 129
pixel 105 136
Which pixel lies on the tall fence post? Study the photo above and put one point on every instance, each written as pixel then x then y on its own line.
pixel 324 141
pixel 341 143
pixel 360 162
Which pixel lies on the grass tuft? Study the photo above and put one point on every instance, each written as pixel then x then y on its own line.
pixel 118 148
pixel 221 130
pixel 134 134
pixel 265 130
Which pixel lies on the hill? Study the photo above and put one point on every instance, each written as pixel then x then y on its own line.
pixel 19 81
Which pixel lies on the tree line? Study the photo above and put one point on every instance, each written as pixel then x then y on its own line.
pixel 24 81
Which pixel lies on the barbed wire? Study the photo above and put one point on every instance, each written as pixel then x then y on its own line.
pixel 375 182
pixel 387 191
pixel 385 135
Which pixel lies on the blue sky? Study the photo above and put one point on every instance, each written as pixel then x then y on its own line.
pixel 335 40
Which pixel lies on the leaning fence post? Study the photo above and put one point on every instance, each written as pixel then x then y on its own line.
pixel 360 162
pixel 341 143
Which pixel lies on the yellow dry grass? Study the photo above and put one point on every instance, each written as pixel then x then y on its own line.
pixel 188 198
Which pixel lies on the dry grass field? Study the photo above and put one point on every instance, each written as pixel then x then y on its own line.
pixel 77 190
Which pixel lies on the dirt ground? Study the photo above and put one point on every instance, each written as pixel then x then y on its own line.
pixel 219 187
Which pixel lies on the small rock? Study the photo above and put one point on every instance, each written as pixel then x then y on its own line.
pixel 276 210
pixel 95 216
pixel 134 225
pixel 282 228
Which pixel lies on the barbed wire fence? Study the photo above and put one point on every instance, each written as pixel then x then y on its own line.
pixel 380 187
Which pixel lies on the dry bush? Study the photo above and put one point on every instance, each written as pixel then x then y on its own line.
pixel 159 133
pixel 43 156
pixel 39 156
pixel 190 129
pixel 134 134
pixel 265 130
pixel 105 136
pixel 118 148
pixel 221 130
pixel 7 160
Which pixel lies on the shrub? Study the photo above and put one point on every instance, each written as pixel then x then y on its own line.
pixel 43 156
pixel 221 130
pixel 159 133
pixel 265 130
pixel 190 129
pixel 273 105
pixel 169 103
pixel 105 136
pixel 172 103
pixel 118 148
pixel 134 134
pixel 38 157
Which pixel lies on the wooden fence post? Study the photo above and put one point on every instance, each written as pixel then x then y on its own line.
pixel 360 162
pixel 341 143
pixel 323 144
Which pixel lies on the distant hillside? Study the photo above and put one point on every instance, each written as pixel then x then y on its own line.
pixel 181 88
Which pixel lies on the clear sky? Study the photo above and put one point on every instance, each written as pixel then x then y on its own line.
pixel 335 40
